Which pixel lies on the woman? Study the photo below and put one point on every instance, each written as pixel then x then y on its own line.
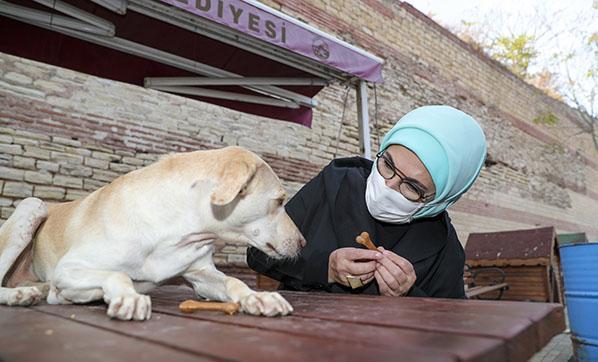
pixel 427 161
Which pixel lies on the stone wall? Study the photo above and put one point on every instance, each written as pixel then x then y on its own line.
pixel 64 134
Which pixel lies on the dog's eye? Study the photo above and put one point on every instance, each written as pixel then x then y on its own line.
pixel 275 204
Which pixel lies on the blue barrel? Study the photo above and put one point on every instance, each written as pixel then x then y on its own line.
pixel 580 271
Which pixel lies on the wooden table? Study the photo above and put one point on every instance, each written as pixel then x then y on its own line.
pixel 324 327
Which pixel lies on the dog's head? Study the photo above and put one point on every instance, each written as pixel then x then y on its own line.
pixel 248 204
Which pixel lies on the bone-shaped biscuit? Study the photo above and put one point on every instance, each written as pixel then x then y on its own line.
pixel 190 306
pixel 364 239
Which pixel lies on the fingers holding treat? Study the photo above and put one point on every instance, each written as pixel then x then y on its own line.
pixel 395 274
pixel 356 262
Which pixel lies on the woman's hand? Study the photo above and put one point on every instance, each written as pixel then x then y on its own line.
pixel 360 263
pixel 394 274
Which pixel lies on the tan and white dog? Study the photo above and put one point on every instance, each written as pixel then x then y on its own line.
pixel 148 226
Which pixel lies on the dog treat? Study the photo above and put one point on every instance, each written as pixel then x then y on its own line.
pixel 190 306
pixel 364 239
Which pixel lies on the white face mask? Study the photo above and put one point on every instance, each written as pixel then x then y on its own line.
pixel 386 204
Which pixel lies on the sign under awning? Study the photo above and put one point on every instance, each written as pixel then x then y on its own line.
pixel 238 54
pixel 262 22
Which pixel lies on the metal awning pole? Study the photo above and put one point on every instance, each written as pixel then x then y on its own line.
pixel 364 120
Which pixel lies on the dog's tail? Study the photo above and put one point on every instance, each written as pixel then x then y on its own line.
pixel 15 235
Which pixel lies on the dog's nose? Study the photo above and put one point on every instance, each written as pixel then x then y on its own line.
pixel 303 242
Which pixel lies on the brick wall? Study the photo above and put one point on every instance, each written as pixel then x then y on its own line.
pixel 63 133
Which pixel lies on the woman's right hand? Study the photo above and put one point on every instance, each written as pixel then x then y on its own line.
pixel 360 263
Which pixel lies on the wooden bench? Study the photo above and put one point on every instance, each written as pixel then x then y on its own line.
pixel 477 292
pixel 493 291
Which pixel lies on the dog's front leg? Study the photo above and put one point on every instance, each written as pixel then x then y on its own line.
pixel 77 285
pixel 208 282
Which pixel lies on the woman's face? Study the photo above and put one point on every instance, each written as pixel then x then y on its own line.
pixel 411 166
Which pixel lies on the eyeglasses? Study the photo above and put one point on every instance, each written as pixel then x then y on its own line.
pixel 412 189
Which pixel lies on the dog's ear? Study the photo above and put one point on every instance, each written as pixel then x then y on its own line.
pixel 234 176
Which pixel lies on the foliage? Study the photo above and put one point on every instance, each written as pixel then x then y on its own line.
pixel 556 56
pixel 547 118
pixel 516 52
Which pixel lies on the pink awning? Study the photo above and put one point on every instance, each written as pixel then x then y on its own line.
pixel 267 24
pixel 296 42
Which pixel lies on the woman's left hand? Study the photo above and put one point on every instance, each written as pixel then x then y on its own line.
pixel 395 275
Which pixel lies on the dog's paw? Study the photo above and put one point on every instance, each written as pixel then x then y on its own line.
pixel 265 303
pixel 136 306
pixel 23 296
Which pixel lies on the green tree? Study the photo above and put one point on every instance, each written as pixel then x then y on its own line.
pixel 516 52
pixel 534 48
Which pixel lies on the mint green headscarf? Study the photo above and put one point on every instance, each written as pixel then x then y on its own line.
pixel 450 143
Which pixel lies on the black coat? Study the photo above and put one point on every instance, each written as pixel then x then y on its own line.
pixel 330 211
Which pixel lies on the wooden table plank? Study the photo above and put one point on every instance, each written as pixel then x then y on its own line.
pixel 521 333
pixel 466 348
pixel 545 319
pixel 518 334
pixel 523 310
pixel 549 318
pixel 236 342
pixel 524 327
pixel 531 310
pixel 29 335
